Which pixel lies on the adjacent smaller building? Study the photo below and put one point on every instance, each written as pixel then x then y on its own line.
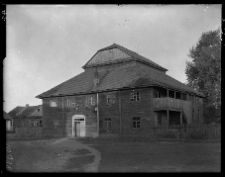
pixel 28 116
pixel 9 122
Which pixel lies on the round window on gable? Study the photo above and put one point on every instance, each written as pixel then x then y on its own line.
pixel 53 104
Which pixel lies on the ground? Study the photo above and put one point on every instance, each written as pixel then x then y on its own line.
pixel 101 155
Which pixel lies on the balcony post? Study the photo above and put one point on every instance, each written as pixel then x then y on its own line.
pixel 168 117
pixel 181 120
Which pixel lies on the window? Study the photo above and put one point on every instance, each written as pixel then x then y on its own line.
pixel 56 123
pixel 136 122
pixel 108 124
pixel 171 94
pixel 53 104
pixel 156 94
pixel 159 119
pixel 111 99
pixel 135 96
pixel 40 123
pixel 184 96
pixel 178 95
pixel 90 101
pixel 100 123
pixel 71 103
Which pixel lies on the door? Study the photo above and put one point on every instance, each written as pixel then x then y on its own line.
pixel 78 126
pixel 108 124
pixel 77 129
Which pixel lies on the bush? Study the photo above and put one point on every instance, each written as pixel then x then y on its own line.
pixel 195 134
pixel 203 131
pixel 168 134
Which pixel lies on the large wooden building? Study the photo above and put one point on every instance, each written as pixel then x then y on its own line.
pixel 121 93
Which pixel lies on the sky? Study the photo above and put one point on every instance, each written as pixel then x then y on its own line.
pixel 48 44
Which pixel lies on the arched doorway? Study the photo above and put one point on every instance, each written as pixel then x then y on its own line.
pixel 78 126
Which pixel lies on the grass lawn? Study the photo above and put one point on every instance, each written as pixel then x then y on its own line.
pixel 118 156
pixel 140 156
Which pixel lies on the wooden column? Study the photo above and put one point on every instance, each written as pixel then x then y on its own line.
pixel 97 115
pixel 174 94
pixel 168 117
pixel 120 110
pixel 181 120
pixel 167 93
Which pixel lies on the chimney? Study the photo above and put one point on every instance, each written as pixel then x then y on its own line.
pixel 27 105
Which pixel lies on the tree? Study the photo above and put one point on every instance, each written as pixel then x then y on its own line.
pixel 204 72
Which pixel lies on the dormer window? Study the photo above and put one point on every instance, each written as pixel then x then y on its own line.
pixel 135 96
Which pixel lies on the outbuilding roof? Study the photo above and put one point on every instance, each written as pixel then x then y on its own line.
pixel 24 112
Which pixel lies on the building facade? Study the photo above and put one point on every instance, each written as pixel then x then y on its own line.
pixel 119 93
pixel 9 122
pixel 27 116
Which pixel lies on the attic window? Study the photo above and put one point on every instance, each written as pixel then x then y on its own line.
pixel 53 104
pixel 135 96
pixel 111 99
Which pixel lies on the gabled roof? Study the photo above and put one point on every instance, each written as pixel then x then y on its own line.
pixel 127 76
pixel 132 56
pixel 29 110
pixel 6 116
pixel 23 112
pixel 14 113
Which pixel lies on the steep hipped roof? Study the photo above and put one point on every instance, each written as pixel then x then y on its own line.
pixel 127 76
pixel 127 55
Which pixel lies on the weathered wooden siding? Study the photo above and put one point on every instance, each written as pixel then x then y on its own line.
pixel 57 121
pixel 142 109
pixel 107 56
pixel 149 67
pixel 109 111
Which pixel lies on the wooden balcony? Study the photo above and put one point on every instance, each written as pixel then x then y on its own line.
pixel 171 104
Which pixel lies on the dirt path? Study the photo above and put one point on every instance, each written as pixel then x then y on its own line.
pixel 58 155
pixel 80 148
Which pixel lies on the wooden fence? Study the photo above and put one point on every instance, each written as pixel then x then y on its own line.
pixel 28 132
pixel 195 131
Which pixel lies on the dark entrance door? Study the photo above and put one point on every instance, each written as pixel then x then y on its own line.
pixel 77 129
